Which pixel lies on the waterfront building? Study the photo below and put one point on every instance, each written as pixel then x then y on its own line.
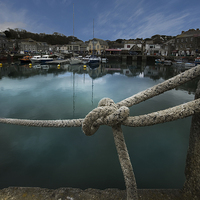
pixel 27 45
pixel 74 47
pixel 3 41
pixel 188 43
pixel 130 44
pixel 97 45
pixel 42 47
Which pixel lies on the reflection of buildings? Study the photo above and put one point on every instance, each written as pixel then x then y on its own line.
pixel 149 71
pixel 155 72
pixel 127 72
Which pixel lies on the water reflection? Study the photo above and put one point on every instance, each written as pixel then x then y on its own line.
pixel 52 158
pixel 142 70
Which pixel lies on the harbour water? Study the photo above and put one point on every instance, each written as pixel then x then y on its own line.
pixel 65 157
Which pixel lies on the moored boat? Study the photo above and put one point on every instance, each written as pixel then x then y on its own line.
pixel 94 59
pixel 197 60
pixel 189 65
pixel 26 59
pixel 45 58
pixel 35 59
pixel 167 62
pixel 75 61
pixel 104 60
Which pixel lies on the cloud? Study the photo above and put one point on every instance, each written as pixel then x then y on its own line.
pixel 130 19
pixel 10 18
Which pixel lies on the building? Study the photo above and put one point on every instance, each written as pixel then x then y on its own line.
pixel 98 46
pixel 27 45
pixel 3 41
pixel 188 43
pixel 31 46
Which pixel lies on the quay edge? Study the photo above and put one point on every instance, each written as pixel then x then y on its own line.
pixel 36 193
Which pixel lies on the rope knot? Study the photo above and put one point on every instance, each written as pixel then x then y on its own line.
pixel 107 113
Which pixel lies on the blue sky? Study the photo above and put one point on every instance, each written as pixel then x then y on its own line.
pixel 113 19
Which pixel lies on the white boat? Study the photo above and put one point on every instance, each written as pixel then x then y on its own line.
pixel 94 59
pixel 86 58
pixel 75 61
pixel 104 60
pixel 35 59
pixel 39 59
pixel 189 65
pixel 45 58
pixel 167 62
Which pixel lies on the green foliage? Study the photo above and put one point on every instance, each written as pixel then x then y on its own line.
pixel 52 39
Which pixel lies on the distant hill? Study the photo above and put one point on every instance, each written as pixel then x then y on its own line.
pixel 53 39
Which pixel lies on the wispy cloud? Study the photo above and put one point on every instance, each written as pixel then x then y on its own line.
pixel 132 19
pixel 10 18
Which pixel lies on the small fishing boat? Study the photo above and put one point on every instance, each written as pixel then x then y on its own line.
pixel 26 59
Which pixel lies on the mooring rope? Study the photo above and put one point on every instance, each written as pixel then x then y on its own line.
pixel 115 115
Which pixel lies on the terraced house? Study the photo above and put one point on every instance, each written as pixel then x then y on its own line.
pixel 188 43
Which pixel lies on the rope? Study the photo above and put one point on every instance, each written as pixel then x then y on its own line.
pixel 106 116
pixel 109 113
pixel 115 115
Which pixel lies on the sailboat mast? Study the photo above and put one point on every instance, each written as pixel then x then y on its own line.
pixel 93 28
pixel 73 22
pixel 93 38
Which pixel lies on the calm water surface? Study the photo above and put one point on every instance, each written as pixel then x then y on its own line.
pixel 65 157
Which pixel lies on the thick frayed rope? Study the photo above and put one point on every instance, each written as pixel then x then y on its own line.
pixel 107 113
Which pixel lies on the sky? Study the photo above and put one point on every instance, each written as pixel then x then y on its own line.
pixel 113 19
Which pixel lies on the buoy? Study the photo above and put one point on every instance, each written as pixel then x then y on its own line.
pixel 0 64
pixel 58 66
pixel 30 65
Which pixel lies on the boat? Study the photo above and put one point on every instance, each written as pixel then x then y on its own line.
pixel 26 59
pixel 75 61
pixel 104 60
pixel 197 61
pixel 94 59
pixel 189 65
pixel 167 62
pixel 159 61
pixel 45 58
pixel 35 59
pixel 86 58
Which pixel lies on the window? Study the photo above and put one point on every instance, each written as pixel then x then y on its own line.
pixel 128 45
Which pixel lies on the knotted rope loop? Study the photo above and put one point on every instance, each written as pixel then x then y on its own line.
pixel 107 113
